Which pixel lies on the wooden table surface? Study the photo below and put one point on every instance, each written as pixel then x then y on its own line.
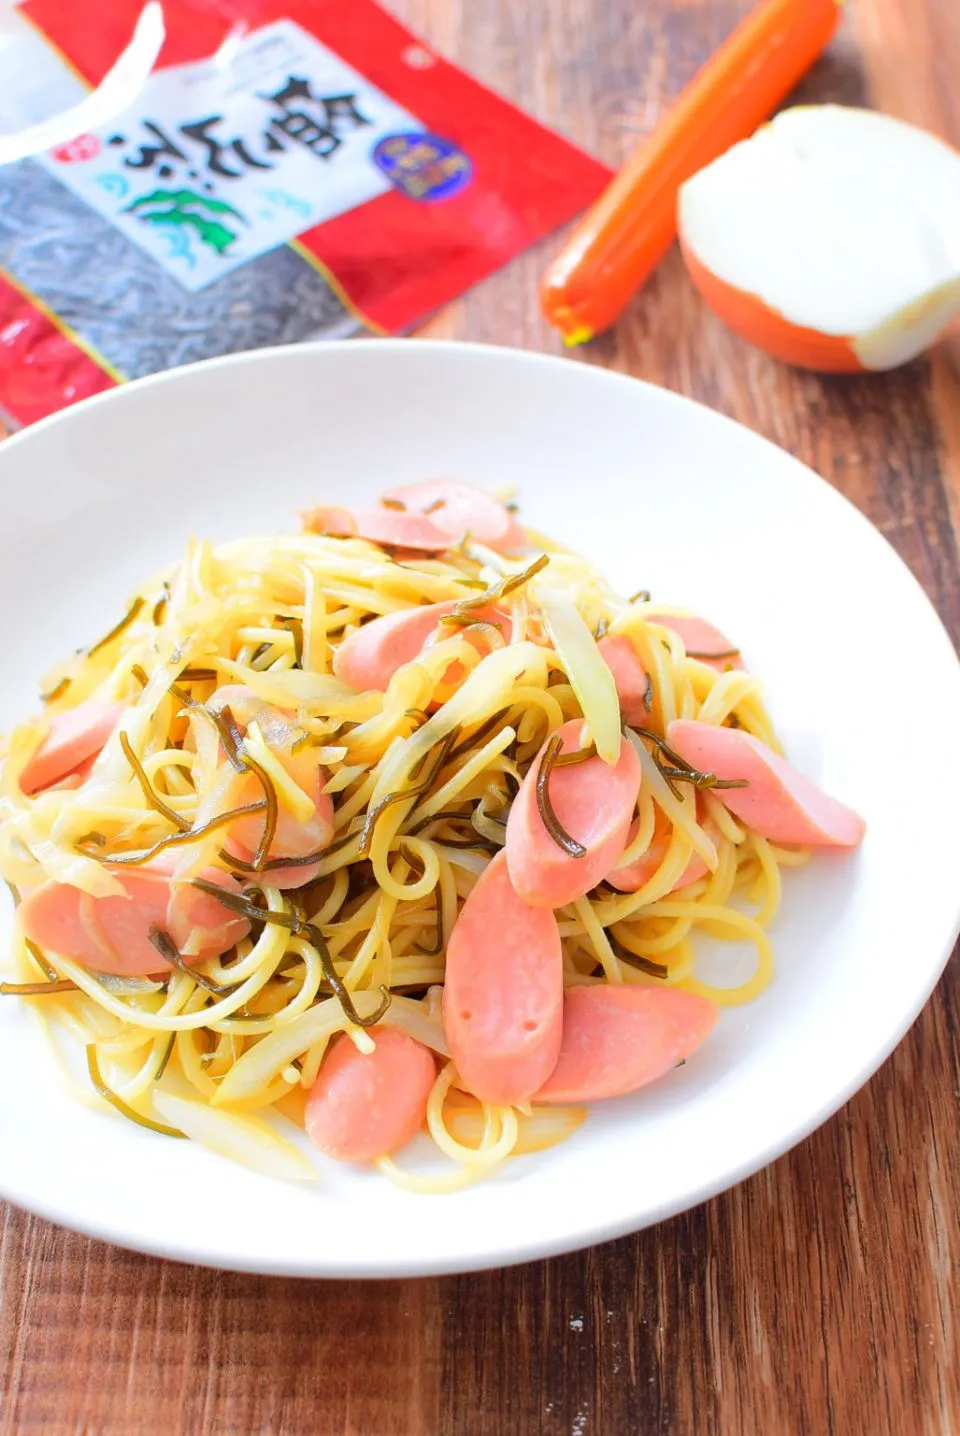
pixel 818 1297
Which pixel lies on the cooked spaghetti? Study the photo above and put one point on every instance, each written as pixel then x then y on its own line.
pixel 314 841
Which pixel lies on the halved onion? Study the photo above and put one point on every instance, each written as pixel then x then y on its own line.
pixel 831 239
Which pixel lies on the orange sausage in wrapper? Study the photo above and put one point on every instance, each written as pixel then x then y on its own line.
pixel 622 239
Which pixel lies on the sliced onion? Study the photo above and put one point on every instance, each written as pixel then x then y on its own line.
pixel 128 986
pixel 463 858
pixel 261 1064
pixel 682 812
pixel 290 686
pixel 247 1140
pixel 590 678
pixel 487 689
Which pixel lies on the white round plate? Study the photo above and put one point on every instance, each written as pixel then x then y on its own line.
pixel 664 495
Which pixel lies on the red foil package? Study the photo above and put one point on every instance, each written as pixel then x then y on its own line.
pixel 290 170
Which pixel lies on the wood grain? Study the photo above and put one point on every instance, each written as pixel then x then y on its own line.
pixel 817 1297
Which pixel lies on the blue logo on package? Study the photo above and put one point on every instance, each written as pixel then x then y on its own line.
pixel 423 167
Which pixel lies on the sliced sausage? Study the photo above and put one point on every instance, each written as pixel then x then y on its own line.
pixel 779 803
pixel 460 509
pixel 616 1039
pixel 629 675
pixel 370 656
pixel 503 996
pixel 593 801
pixel 76 779
pixel 392 528
pixel 635 875
pixel 76 735
pixel 702 640
pixel 363 1106
pixel 293 838
pixel 111 934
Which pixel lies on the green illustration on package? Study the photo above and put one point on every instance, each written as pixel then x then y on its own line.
pixel 185 207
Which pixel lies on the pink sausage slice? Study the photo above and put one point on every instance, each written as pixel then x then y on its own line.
pixel 779 803
pixel 112 934
pixel 458 509
pixel 236 790
pixel 77 778
pixel 190 911
pixel 390 527
pixel 636 874
pixel 593 801
pixel 76 735
pixel 370 656
pixel 292 838
pixel 363 1106
pixel 629 675
pixel 503 997
pixel 702 640
pixel 616 1039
